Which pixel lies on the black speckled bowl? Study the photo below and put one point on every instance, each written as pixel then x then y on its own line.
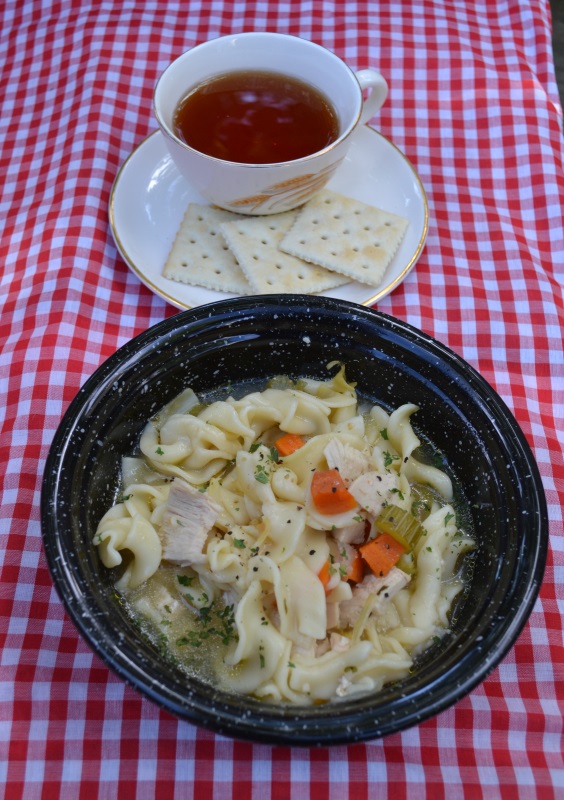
pixel 254 338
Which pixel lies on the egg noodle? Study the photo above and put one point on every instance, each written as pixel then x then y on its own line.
pixel 288 544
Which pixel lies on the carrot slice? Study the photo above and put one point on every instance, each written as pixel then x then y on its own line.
pixel 382 553
pixel 329 493
pixel 289 443
pixel 355 568
pixel 324 575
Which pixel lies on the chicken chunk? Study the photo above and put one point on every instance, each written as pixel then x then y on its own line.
pixel 188 519
pixel 372 490
pixel 339 644
pixel 348 460
pixel 382 588
pixel 355 533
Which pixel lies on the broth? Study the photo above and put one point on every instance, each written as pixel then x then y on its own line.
pixel 251 615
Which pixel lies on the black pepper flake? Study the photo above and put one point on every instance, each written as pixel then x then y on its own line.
pixel 334 489
pixel 379 477
pixel 255 569
pixel 312 552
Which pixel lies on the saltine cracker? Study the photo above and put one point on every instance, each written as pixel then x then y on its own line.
pixel 345 235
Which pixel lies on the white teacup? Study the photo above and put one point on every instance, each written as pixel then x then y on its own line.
pixel 265 188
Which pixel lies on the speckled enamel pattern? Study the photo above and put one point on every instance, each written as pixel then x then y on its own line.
pixel 473 105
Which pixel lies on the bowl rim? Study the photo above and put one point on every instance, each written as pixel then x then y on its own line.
pixel 228 714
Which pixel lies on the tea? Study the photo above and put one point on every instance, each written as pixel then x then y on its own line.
pixel 256 118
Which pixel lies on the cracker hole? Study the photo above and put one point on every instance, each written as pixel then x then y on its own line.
pixel 184 264
pixel 212 233
pixel 324 237
pixel 278 266
pixel 255 258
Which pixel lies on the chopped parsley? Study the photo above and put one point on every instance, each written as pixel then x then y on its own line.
pixel 419 505
pixel 212 621
pixel 389 459
pixel 261 474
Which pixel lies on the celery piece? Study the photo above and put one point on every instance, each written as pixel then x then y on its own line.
pixel 407 563
pixel 400 524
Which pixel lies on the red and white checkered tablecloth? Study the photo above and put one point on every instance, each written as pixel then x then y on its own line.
pixel 473 104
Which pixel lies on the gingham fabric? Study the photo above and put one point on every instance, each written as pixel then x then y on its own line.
pixel 473 104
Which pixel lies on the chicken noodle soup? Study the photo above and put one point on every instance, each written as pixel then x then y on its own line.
pixel 288 544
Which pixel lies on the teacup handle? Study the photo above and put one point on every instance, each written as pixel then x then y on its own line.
pixel 370 79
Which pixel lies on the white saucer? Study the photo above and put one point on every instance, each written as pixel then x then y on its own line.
pixel 149 198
